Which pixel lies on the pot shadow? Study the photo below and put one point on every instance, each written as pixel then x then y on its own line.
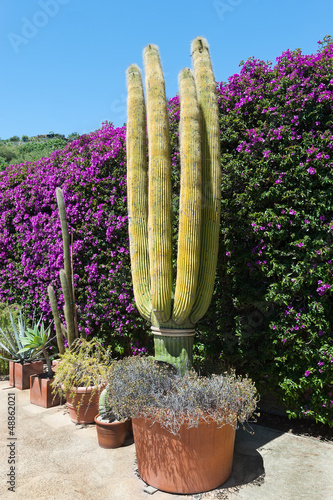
pixel 248 464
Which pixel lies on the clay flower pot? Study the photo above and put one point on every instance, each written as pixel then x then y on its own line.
pixel 198 459
pixel 83 407
pixel 111 434
pixel 19 374
pixel 41 391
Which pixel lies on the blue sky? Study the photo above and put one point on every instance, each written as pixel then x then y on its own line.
pixel 64 61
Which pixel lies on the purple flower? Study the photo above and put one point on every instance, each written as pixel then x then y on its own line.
pixel 307 373
pixel 311 170
pixel 322 288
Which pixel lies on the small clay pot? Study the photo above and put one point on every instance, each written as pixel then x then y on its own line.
pixel 111 434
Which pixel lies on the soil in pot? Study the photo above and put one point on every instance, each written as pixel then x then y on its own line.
pixel 111 434
pixel 198 459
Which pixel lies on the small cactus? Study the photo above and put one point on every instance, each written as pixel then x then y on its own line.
pixel 67 284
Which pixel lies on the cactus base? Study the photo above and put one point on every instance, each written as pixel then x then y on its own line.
pixel 174 347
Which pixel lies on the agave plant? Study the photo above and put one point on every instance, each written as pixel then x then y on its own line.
pixel 37 340
pixel 11 341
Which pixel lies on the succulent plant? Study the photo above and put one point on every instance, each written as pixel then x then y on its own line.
pixel 173 315
pixel 12 342
pixel 37 339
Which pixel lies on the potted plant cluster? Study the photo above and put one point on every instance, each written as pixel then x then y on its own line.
pixel 24 363
pixel 111 430
pixel 80 377
pixel 183 425
pixel 37 340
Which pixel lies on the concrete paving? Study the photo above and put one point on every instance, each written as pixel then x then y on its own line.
pixel 58 460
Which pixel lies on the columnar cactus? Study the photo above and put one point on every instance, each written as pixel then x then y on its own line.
pixel 173 317
pixel 67 284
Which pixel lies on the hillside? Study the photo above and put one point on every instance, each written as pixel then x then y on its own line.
pixel 18 150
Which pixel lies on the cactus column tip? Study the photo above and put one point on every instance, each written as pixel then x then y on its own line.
pixel 199 43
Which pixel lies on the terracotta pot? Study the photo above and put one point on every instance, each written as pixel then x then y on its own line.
pixel 199 459
pixel 88 404
pixel 19 374
pixel 41 391
pixel 111 434
pixel 55 363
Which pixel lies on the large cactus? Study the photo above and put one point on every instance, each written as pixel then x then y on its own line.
pixel 149 200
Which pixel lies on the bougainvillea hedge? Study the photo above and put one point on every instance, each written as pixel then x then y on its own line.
pixel 92 172
pixel 271 314
pixel 275 279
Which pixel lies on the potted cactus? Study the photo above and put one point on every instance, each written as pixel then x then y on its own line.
pixel 22 364
pixel 173 314
pixel 111 430
pixel 183 425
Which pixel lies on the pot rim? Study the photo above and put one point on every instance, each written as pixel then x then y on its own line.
pixel 85 390
pixel 106 424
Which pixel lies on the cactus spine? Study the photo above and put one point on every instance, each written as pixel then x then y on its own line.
pixel 199 214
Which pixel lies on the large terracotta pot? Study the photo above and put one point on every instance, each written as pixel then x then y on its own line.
pixel 199 459
pixel 88 404
pixel 19 374
pixel 41 391
pixel 111 434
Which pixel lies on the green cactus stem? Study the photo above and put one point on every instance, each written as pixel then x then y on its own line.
pixel 68 268
pixel 57 322
pixel 68 310
pixel 159 195
pixel 137 188
pixel 211 175
pixel 189 234
pixel 175 347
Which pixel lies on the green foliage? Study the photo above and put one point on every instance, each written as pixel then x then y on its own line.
pixel 5 309
pixel 36 340
pixel 143 387
pixel 84 364
pixel 272 308
pixel 29 149
pixel 12 340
